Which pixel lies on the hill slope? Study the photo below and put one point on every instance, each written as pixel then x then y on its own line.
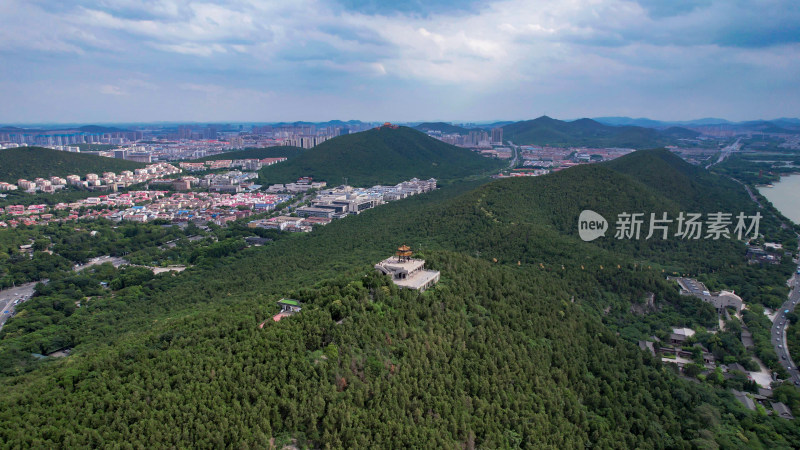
pixel 33 162
pixel 498 355
pixel 589 133
pixel 381 156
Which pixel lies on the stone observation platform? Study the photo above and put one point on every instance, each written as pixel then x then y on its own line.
pixel 408 272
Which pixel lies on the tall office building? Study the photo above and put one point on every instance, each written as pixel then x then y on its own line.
pixel 497 136
pixel 184 132
pixel 210 132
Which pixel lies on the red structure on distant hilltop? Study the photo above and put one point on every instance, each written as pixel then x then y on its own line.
pixel 389 125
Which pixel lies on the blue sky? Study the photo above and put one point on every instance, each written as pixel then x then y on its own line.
pixel 253 60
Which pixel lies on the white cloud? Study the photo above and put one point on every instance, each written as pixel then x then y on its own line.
pixel 506 50
pixel 109 89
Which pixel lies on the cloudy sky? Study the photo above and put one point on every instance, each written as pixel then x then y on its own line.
pixel 263 60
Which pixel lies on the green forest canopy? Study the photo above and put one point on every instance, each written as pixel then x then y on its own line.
pixel 503 354
pixel 381 156
pixel 35 162
pixel 590 133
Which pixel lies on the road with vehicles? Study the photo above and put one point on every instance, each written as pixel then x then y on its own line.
pixel 11 297
pixel 726 152
pixel 515 149
pixel 778 333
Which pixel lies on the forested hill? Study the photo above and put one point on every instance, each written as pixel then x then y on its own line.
pixel 33 162
pixel 521 344
pixel 691 186
pixel 381 156
pixel 283 151
pixel 589 133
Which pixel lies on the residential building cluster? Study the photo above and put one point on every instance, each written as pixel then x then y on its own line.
pixel 523 173
pixel 201 207
pixel 232 181
pixel 102 206
pixel 792 142
pixel 172 143
pixel 559 158
pixel 307 135
pixel 145 206
pixel 66 137
pixel 107 181
pixel 475 138
pixel 244 164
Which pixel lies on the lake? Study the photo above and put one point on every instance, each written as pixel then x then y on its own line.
pixel 785 196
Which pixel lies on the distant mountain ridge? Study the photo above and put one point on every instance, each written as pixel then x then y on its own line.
pixel 651 123
pixel 590 133
pixel 780 125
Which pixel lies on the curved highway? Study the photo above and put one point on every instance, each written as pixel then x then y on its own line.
pixel 778 333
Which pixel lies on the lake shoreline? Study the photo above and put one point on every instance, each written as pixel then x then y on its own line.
pixel 784 195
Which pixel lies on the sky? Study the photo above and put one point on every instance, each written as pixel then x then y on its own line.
pixel 104 61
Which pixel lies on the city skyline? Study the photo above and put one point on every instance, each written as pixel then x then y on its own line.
pixel 242 61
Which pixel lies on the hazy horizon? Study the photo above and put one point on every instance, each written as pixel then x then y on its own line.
pixel 258 122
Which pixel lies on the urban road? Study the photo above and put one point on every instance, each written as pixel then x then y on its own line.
pixel 515 149
pixel 726 152
pixel 10 297
pixel 779 330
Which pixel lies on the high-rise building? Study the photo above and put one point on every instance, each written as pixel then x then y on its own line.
pixel 210 132
pixel 184 132
pixel 497 136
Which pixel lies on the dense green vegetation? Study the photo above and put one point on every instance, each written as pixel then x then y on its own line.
pixel 34 162
pixel 526 341
pixel 72 243
pixel 67 195
pixel 484 361
pixel 793 336
pixel 589 133
pixel 763 170
pixel 381 156
pixel 256 153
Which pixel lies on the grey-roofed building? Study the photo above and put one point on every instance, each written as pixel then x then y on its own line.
pixel 747 338
pixel 310 211
pixel 680 335
pixel 746 401
pixel 721 300
pixel 648 346
pixel 737 366
pixel 782 410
